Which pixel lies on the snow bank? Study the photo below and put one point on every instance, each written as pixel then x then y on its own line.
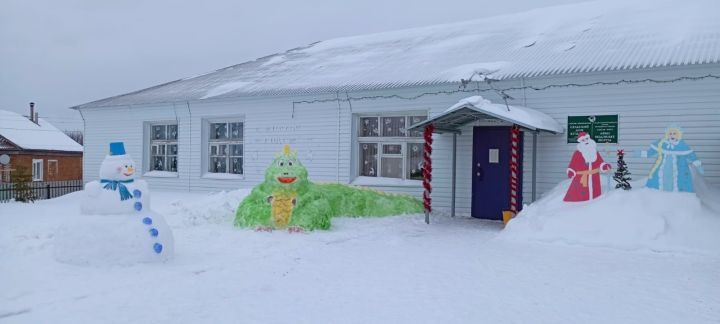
pixel 710 196
pixel 641 218
pixel 214 208
pixel 399 270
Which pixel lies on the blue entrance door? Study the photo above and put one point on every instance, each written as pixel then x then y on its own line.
pixel 491 172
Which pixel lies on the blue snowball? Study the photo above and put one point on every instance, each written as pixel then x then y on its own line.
pixel 147 220
pixel 138 206
pixel 157 247
pixel 137 193
pixel 154 232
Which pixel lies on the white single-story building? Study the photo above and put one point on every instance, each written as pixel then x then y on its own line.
pixel 345 104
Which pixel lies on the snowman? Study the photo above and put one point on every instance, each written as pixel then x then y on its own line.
pixel 116 224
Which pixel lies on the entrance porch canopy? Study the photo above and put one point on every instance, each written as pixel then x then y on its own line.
pixel 476 108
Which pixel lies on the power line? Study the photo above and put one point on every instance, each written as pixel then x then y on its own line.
pixel 501 92
pixel 570 85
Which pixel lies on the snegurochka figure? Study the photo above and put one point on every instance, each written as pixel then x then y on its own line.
pixel 671 170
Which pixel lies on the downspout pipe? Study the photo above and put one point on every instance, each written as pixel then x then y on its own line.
pixel 534 166
pixel 84 141
pixel 454 177
pixel 337 164
pixel 187 103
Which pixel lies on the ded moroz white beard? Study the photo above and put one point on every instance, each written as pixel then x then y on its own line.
pixel 588 151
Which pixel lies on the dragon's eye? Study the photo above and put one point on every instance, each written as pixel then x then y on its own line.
pixel 289 163
pixel 282 163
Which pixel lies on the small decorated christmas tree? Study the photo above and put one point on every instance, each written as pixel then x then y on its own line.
pixel 622 175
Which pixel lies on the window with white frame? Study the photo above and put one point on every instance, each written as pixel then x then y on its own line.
pixel 388 149
pixel 37 170
pixel 163 147
pixel 225 147
pixel 5 172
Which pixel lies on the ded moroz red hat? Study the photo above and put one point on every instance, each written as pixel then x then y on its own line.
pixel 582 135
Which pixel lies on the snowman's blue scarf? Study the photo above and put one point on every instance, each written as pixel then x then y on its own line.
pixel 115 184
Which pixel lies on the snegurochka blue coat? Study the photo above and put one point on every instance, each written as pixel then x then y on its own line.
pixel 671 170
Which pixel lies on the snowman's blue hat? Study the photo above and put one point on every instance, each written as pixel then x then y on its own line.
pixel 117 148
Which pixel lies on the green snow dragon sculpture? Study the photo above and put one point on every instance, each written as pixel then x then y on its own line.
pixel 287 200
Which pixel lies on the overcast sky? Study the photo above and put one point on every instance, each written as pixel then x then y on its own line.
pixel 62 53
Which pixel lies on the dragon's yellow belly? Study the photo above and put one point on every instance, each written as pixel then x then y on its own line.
pixel 281 209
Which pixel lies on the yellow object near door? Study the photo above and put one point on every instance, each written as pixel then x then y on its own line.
pixel 507 216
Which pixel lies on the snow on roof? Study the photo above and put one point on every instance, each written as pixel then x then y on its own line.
pixel 585 37
pixel 30 136
pixel 476 107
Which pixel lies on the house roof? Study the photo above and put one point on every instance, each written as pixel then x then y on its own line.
pixel 586 37
pixel 475 108
pixel 27 135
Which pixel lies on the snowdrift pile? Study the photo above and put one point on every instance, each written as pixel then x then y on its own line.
pixel 214 208
pixel 640 218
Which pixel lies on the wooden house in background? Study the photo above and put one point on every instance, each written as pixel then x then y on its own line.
pixel 39 147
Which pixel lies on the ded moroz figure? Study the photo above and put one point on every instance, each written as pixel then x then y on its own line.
pixel 671 170
pixel 585 167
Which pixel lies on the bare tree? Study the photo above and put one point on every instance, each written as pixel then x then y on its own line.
pixel 76 135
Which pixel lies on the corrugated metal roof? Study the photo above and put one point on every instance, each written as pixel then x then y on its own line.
pixel 585 37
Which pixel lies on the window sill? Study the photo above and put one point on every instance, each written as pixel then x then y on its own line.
pixel 160 174
pixel 223 176
pixel 386 182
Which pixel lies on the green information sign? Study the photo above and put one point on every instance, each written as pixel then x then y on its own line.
pixel 602 129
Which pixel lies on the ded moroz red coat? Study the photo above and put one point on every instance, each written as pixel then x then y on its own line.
pixel 586 178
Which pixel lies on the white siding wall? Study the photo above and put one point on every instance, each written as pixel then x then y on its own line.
pixel 322 132
pixel 319 133
pixel 644 110
pixel 128 124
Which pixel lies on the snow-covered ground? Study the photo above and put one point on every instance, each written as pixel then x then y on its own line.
pixel 640 218
pixel 383 270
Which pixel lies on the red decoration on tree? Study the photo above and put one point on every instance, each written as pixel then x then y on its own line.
pixel 427 167
pixel 514 167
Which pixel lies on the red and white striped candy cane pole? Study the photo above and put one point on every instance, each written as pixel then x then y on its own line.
pixel 514 169
pixel 427 170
